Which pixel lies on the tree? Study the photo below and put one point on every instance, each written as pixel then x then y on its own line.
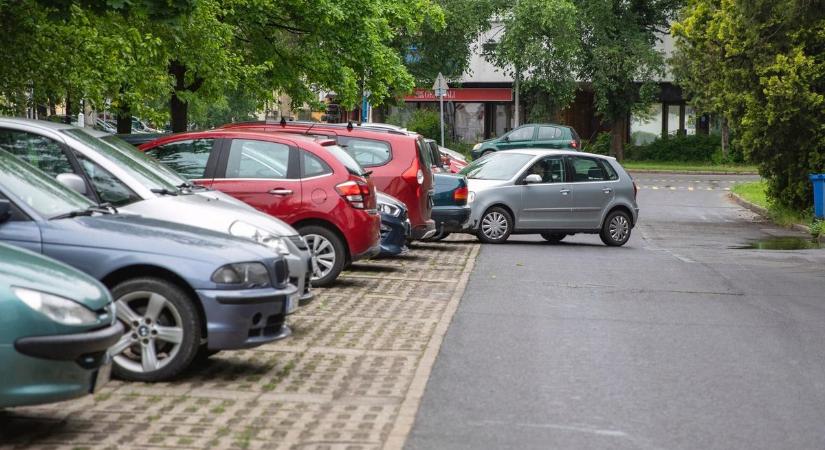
pixel 771 73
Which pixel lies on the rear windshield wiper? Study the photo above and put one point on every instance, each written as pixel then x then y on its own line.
pixel 163 191
pixel 86 212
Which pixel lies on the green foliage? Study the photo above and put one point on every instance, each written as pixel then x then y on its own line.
pixel 766 73
pixel 817 228
pixel 599 145
pixel 426 123
pixel 698 147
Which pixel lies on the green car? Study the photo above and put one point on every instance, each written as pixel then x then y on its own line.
pixel 532 135
pixel 56 325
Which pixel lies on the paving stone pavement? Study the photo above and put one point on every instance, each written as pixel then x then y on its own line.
pixel 350 377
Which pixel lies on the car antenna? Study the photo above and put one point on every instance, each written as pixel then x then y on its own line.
pixel 310 127
pixel 349 126
pixel 283 121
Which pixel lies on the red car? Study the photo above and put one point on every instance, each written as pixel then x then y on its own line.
pixel 399 161
pixel 310 183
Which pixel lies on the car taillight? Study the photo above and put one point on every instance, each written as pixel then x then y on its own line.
pixel 460 195
pixel 414 172
pixel 357 192
pixel 574 144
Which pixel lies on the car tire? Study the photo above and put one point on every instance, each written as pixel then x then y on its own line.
pixel 327 252
pixel 485 153
pixel 204 353
pixel 553 238
pixel 616 229
pixel 440 234
pixel 495 226
pixel 156 313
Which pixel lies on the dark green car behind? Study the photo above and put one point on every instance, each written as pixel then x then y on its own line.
pixel 531 135
pixel 56 325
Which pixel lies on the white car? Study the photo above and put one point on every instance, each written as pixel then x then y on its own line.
pixel 110 171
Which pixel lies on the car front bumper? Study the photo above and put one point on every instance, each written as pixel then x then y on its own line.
pixel 451 218
pixel 394 231
pixel 300 273
pixel 247 318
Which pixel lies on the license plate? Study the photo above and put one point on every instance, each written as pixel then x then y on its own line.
pixel 102 377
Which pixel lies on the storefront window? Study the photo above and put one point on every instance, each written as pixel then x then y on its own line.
pixel 469 122
pixel 647 128
pixel 672 119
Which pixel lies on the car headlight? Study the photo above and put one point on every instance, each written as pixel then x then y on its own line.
pixel 387 208
pixel 56 308
pixel 477 146
pixel 245 275
pixel 245 230
pixel 470 197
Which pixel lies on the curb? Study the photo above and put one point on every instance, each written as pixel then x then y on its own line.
pixel 691 172
pixel 764 212
pixel 409 408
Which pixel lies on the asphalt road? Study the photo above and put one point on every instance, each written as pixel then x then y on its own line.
pixel 679 340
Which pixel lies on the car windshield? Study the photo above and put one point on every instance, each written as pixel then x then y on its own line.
pixel 138 165
pixel 498 166
pixel 346 159
pixel 37 189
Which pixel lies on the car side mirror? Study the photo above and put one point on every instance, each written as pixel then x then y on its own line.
pixel 73 182
pixel 532 179
pixel 5 210
pixel 506 138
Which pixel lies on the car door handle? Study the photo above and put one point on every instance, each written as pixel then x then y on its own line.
pixel 607 190
pixel 565 191
pixel 281 192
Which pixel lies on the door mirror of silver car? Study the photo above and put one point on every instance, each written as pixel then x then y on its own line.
pixel 532 179
pixel 5 210
pixel 73 182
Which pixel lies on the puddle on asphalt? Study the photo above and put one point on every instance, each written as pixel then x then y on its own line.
pixel 781 243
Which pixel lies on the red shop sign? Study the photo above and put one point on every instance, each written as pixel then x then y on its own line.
pixel 463 95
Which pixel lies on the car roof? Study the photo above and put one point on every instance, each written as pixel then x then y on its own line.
pixel 542 152
pixel 45 124
pixel 242 133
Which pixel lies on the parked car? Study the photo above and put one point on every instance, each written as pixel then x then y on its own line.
pixel 541 135
pixel 180 291
pixel 395 226
pixel 138 139
pixel 554 193
pixel 399 161
pixel 447 163
pixel 56 325
pixel 450 210
pixel 120 175
pixel 310 184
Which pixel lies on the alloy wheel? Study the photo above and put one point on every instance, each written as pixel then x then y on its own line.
pixel 618 228
pixel 323 255
pixel 494 225
pixel 154 332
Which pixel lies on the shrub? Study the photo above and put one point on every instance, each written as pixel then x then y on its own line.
pixel 699 147
pixel 599 145
pixel 426 123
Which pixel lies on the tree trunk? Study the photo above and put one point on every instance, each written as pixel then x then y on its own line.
pixel 725 137
pixel 124 120
pixel 68 118
pixel 617 139
pixel 178 108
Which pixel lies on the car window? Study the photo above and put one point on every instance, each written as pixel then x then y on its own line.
pixel 367 152
pixel 521 134
pixel 551 170
pixel 547 133
pixel 257 159
pixel 312 166
pixel 496 166
pixel 609 170
pixel 346 159
pixel 587 169
pixel 37 189
pixel 148 162
pixel 109 189
pixel 39 151
pixel 15 214
pixel 187 158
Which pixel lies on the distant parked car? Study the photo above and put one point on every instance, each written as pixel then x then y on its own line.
pixel 399 161
pixel 180 291
pixel 443 159
pixel 554 193
pixel 310 184
pixel 56 325
pixel 450 210
pixel 138 139
pixel 542 135
pixel 395 226
pixel 120 175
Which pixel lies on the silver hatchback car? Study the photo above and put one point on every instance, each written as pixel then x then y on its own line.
pixel 553 193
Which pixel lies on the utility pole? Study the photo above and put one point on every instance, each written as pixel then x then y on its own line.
pixel 440 88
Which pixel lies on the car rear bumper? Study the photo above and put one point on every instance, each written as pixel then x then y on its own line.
pixel 361 230
pixel 247 318
pixel 451 218
pixel 423 231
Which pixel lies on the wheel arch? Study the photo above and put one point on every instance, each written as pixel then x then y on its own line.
pixel 619 207
pixel 146 270
pixel 329 225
